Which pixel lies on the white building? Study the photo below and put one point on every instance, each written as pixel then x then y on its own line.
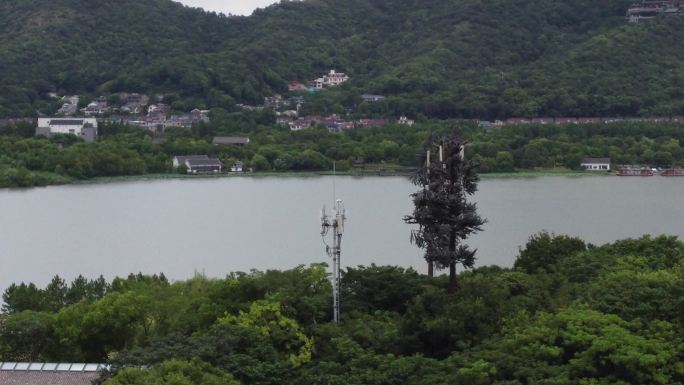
pixel 84 128
pixel 596 164
pixel 331 79
pixel 237 167
pixel 406 121
pixel 180 160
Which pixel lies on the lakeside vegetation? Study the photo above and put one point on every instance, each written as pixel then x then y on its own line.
pixel 27 161
pixel 566 313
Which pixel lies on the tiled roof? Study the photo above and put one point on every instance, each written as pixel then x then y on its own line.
pixel 182 158
pixel 211 162
pixel 596 160
pixel 47 378
pixel 66 122
pixel 24 373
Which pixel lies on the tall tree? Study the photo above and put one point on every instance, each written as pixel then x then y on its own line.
pixel 442 211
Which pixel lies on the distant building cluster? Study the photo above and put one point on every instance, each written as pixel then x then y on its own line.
pixel 125 108
pixel 131 108
pixel 278 104
pixel 158 118
pixel 121 103
pixel 651 9
pixel 334 123
pixel 562 121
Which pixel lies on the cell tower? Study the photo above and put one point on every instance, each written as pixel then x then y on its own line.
pixel 335 251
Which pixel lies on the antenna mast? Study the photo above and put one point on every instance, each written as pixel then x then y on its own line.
pixel 336 222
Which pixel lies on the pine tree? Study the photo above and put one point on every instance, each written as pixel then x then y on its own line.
pixel 442 211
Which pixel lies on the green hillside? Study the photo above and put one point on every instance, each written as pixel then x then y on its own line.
pixel 441 59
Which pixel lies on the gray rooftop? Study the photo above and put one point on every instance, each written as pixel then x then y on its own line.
pixel 67 122
pixel 40 373
pixel 596 160
pixel 203 162
pixel 231 140
pixel 183 158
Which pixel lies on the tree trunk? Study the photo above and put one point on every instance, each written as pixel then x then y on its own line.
pixel 431 269
pixel 453 285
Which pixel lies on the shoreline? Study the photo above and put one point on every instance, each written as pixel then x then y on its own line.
pixel 66 181
pixel 313 174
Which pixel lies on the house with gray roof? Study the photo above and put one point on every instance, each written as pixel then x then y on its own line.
pixel 25 373
pixel 204 166
pixel 84 128
pixel 181 159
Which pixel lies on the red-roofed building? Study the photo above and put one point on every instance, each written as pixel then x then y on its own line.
pixel 296 86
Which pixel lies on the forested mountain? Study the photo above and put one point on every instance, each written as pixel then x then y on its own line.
pixel 437 58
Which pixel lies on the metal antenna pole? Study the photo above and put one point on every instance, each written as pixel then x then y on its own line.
pixel 335 252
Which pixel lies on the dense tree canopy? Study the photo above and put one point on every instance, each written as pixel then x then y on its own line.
pixel 593 315
pixel 446 59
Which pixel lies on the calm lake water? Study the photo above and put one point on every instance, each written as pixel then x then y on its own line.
pixel 215 226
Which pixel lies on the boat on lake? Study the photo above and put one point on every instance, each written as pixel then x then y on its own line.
pixel 673 172
pixel 635 171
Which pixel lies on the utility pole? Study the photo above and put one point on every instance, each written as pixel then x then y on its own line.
pixel 335 251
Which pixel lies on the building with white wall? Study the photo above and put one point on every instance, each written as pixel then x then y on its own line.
pixel 331 79
pixel 84 128
pixel 596 164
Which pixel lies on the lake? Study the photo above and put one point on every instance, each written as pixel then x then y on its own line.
pixel 215 226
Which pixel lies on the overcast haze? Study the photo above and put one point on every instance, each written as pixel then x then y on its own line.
pixel 236 7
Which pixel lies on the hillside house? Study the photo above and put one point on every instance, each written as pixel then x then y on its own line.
pixel 158 111
pixel 596 164
pixel 331 79
pixel 96 108
pixel 68 109
pixel 198 114
pixel 651 9
pixel 133 103
pixel 84 128
pixel 296 86
pixel 274 102
pixel 404 121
